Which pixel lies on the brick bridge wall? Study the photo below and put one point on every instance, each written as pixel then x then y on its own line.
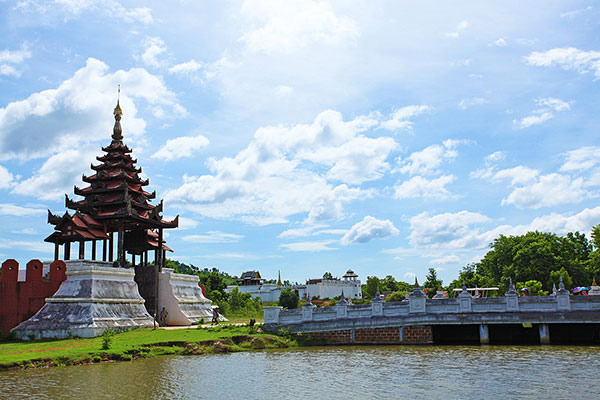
pixel 21 300
pixel 421 334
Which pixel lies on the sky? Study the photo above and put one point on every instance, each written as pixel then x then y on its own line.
pixel 306 136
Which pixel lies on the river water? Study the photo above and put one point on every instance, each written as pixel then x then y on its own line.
pixel 345 372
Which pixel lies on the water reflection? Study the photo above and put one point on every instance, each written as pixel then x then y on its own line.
pixel 384 372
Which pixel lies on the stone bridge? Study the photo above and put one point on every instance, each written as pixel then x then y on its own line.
pixel 559 319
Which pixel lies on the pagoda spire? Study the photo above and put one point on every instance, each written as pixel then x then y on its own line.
pixel 117 135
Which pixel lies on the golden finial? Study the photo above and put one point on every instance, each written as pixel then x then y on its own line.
pixel 416 282
pixel 279 279
pixel 117 135
pixel 594 282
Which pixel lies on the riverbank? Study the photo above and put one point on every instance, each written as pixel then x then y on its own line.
pixel 136 344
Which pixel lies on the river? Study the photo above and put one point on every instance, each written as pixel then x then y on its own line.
pixel 352 372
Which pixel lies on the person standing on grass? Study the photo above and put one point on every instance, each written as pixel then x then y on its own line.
pixel 215 319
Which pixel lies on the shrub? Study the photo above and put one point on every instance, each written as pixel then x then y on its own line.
pixel 107 338
pixel 289 298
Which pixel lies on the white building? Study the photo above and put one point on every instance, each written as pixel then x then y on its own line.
pixel 330 288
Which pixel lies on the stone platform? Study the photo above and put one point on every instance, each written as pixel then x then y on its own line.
pixel 182 298
pixel 96 296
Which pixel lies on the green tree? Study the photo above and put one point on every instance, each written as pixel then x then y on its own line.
pixel 555 279
pixel 396 296
pixel 535 287
pixel 370 287
pixel 328 276
pixel 289 298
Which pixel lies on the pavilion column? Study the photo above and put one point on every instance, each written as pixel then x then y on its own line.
pixel 81 249
pixel 93 250
pixel 145 258
pixel 121 244
pixel 133 259
pixel 67 251
pixel 104 244
pixel 111 247
pixel 160 249
pixel 56 250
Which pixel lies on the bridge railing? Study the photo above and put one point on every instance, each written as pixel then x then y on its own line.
pixel 418 304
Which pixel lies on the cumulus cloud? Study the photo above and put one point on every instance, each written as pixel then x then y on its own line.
pixel 69 9
pixel 310 246
pixel 448 229
pixel 401 118
pixel 306 168
pixel 181 147
pixel 428 160
pixel 36 246
pixel 500 42
pixel 519 175
pixel 293 24
pixel 583 158
pixel 79 110
pixel 547 110
pixel 367 229
pixel 451 259
pixel 6 178
pixel 11 61
pixel 153 48
pixel 419 186
pixel 57 175
pixel 213 237
pixel 568 58
pixel 186 67
pixel 548 190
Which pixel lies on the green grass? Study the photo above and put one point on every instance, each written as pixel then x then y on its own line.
pixel 139 343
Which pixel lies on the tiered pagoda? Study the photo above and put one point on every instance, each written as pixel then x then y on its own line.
pixel 114 201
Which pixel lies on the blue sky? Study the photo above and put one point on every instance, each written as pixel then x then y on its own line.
pixel 309 136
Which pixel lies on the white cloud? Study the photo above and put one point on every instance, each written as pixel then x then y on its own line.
pixel 213 237
pixel 310 246
pixel 186 67
pixel 419 186
pixel 181 147
pixel 290 170
pixel 36 246
pixel 569 58
pixel 451 259
pixel 548 107
pixel 400 119
pixel 500 42
pixel 548 190
pixel 19 211
pixel 78 111
pixel 495 156
pixel 575 13
pixel 583 158
pixel 9 60
pixel 184 223
pixel 460 28
pixel 6 178
pixel 448 229
pixel 300 232
pixel 293 24
pixel 57 175
pixel 153 48
pixel 367 229
pixel 73 8
pixel 468 103
pixel 519 175
pixel 427 161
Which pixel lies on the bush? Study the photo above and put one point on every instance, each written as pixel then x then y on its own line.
pixel 107 338
pixel 289 298
pixel 395 296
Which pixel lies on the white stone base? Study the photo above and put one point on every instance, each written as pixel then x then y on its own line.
pixel 182 298
pixel 96 296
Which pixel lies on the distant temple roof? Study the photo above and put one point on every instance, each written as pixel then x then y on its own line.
pixel 251 278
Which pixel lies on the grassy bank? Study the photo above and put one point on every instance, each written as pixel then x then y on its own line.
pixel 139 343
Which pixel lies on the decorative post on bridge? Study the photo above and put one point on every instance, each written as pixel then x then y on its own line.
pixel 416 300
pixel 377 305
pixel 562 297
pixel 464 299
pixel 307 309
pixel 341 308
pixel 512 297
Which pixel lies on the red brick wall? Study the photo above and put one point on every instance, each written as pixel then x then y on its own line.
pixel 19 301
pixel 419 334
pixel 333 337
pixel 390 335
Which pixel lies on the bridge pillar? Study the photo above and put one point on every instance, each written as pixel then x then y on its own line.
pixel 484 334
pixel 417 300
pixel 272 314
pixel 544 333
